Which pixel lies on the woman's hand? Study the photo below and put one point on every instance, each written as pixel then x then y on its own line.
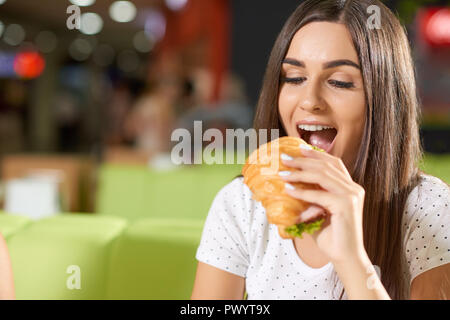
pixel 341 235
pixel 6 274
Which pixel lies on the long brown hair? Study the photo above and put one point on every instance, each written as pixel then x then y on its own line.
pixel 389 154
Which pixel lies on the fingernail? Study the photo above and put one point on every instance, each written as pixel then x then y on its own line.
pixel 284 173
pixel 305 146
pixel 289 186
pixel 284 156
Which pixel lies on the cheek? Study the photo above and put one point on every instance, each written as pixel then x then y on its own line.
pixel 288 97
pixel 287 101
pixel 350 113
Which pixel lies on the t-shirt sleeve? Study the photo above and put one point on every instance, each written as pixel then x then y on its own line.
pixel 224 242
pixel 427 226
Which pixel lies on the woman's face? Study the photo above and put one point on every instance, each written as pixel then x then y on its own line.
pixel 322 85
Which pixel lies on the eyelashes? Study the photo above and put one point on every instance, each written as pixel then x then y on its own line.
pixel 335 83
pixel 342 84
pixel 296 81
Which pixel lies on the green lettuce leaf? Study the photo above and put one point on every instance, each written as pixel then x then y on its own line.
pixel 317 148
pixel 297 230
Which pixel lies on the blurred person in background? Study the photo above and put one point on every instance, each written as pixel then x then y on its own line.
pixel 68 120
pixel 6 275
pixel 150 122
pixel 116 111
pixel 230 112
pixel 12 116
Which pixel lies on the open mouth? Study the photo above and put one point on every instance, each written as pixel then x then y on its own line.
pixel 319 136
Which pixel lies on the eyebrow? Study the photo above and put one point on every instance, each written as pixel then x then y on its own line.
pixel 326 65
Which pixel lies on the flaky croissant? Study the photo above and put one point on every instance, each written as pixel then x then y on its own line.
pixel 261 176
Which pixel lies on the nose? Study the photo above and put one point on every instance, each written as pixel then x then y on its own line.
pixel 312 101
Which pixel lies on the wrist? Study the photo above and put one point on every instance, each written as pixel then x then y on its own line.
pixel 357 260
pixel 360 279
pixel 353 269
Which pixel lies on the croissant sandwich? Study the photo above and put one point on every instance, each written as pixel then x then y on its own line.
pixel 261 176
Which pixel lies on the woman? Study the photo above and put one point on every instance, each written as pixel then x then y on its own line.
pixel 328 68
pixel 6 278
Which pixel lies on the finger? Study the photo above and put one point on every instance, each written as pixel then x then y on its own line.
pixel 311 213
pixel 328 181
pixel 316 165
pixel 333 203
pixel 315 154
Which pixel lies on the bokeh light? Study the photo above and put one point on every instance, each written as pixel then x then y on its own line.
pixel 80 49
pixel 82 3
pixel 438 27
pixel 46 41
pixel 122 11
pixel 29 65
pixel 142 42
pixel 91 23
pixel 14 34
pixel 175 5
pixel 155 25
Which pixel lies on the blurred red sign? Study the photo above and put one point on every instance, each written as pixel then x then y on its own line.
pixel 434 26
pixel 29 64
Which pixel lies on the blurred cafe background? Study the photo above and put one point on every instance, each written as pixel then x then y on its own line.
pixel 92 206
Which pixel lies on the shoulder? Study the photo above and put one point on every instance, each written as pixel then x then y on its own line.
pixel 235 201
pixel 430 194
pixel 234 206
pixel 426 225
pixel 236 187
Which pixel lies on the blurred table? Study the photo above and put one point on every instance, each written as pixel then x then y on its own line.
pixel 126 156
pixel 76 173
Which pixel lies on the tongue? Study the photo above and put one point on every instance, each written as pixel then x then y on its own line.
pixel 323 138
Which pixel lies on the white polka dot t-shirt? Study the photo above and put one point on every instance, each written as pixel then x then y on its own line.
pixel 426 227
pixel 238 239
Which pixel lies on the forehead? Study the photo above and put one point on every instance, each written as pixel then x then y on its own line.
pixel 322 41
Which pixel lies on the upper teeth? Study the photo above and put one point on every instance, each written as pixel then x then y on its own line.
pixel 313 127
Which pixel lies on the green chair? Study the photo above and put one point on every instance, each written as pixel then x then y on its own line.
pixel 11 224
pixel 155 259
pixel 52 256
pixel 186 193
pixel 121 191
pixel 138 192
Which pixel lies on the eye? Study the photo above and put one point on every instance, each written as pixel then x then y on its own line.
pixel 295 81
pixel 341 84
